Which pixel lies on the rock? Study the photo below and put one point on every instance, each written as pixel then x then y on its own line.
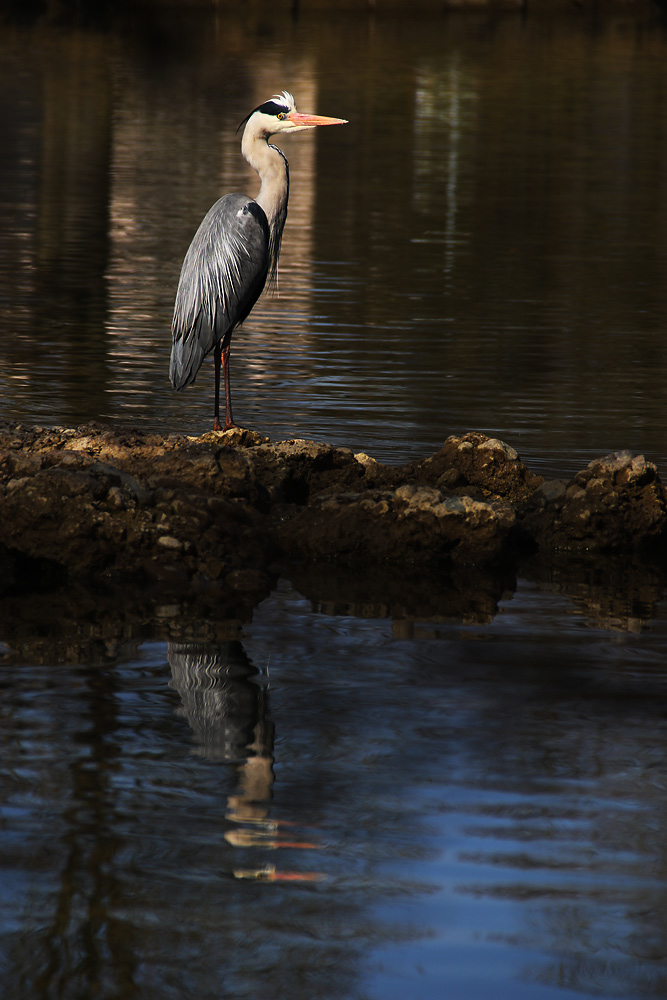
pixel 550 490
pixel 221 511
pixel 411 525
pixel 485 464
pixel 616 504
pixel 169 542
pixel 237 437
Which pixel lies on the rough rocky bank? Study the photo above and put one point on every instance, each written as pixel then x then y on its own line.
pixel 228 510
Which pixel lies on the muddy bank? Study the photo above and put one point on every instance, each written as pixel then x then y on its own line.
pixel 225 513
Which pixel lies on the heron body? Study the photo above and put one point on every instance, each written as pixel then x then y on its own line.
pixel 218 289
pixel 233 252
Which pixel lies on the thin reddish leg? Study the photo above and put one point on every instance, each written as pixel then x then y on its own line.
pixel 221 354
pixel 229 419
pixel 216 412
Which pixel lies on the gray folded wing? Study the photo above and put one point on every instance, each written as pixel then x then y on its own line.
pixel 222 277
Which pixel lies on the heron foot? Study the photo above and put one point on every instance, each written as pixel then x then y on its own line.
pixel 229 425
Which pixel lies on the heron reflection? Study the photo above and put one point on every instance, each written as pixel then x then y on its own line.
pixel 225 702
pixel 223 699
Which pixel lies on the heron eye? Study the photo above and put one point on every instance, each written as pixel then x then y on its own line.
pixel 281 116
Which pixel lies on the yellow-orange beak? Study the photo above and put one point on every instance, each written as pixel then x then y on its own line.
pixel 310 121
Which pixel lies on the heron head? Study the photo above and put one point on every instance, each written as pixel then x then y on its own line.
pixel 279 115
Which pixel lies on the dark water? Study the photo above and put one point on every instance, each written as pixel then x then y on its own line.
pixel 343 788
pixel 483 247
pixel 334 804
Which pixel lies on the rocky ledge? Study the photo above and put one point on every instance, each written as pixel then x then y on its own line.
pixel 230 509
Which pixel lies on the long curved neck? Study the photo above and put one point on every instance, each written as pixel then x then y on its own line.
pixel 272 167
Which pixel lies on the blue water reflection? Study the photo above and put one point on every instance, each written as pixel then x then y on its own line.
pixel 323 807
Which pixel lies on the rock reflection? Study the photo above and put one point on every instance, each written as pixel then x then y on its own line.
pixel 416 603
pixel 611 593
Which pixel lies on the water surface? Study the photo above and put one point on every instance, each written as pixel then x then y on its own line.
pixel 329 806
pixel 346 788
pixel 482 247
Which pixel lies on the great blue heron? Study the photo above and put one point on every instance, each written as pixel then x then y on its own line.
pixel 234 250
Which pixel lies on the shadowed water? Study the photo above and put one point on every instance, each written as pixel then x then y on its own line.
pixel 346 788
pixel 332 804
pixel 482 247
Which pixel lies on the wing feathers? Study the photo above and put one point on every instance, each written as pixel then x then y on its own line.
pixel 222 277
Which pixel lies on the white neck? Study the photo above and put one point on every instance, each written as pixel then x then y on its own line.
pixel 271 166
